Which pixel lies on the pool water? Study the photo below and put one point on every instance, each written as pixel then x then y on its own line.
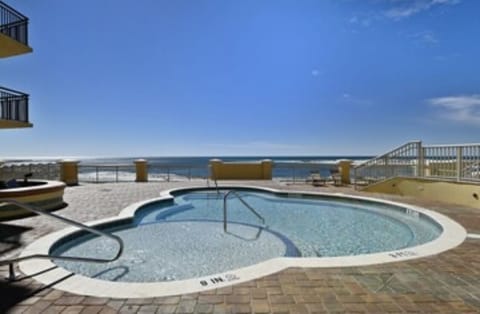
pixel 185 238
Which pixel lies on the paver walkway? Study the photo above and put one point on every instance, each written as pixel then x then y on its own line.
pixel 445 283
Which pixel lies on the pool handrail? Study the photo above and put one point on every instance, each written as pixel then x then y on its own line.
pixel 28 207
pixel 225 197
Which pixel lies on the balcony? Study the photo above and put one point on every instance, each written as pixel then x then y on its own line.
pixel 13 109
pixel 13 32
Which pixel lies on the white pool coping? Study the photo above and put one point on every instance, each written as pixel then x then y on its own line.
pixel 48 273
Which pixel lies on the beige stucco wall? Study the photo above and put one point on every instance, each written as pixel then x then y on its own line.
pixel 462 193
pixel 241 170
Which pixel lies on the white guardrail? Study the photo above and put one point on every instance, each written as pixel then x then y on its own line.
pixel 458 162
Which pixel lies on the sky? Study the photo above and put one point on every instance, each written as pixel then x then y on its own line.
pixel 250 77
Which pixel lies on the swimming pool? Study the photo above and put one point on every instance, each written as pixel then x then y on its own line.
pixel 180 237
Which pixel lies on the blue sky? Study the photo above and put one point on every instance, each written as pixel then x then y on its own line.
pixel 250 77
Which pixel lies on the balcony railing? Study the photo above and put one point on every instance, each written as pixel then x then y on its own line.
pixel 13 24
pixel 13 105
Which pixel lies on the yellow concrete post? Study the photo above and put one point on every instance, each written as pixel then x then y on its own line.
pixel 344 169
pixel 267 166
pixel 69 171
pixel 141 169
pixel 215 165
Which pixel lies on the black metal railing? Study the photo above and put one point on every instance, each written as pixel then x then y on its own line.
pixel 13 23
pixel 13 105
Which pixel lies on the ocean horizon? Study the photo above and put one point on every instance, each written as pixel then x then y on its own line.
pixel 181 168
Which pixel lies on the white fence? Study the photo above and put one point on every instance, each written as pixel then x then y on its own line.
pixel 46 171
pixel 459 162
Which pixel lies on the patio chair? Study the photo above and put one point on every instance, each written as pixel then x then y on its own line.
pixel 335 177
pixel 316 179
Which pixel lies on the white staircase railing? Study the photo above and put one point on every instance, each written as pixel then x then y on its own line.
pixel 402 161
pixel 458 162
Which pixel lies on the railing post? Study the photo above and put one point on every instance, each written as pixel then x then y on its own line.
pixel 141 168
pixel 69 172
pixel 459 162
pixel 420 160
pixel 387 169
pixel 355 178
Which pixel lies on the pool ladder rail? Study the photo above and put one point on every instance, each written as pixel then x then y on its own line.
pixel 12 261
pixel 236 194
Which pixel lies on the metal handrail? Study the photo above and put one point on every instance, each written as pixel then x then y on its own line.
pixel 11 11
pixel 243 202
pixel 13 24
pixel 74 223
pixel 11 92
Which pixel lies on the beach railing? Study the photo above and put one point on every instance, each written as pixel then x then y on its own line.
pixel 72 172
pixel 177 172
pixel 300 172
pixel 457 162
pixel 102 173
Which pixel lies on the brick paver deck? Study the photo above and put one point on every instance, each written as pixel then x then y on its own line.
pixel 445 283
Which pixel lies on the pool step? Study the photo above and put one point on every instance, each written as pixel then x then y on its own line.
pixel 164 213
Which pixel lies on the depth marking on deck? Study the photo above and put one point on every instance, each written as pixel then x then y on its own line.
pixel 402 254
pixel 219 279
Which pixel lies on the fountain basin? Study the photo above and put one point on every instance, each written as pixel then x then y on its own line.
pixel 46 195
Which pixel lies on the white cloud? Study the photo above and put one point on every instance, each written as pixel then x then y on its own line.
pixel 426 37
pixel 364 19
pixel 354 100
pixel 412 7
pixel 462 109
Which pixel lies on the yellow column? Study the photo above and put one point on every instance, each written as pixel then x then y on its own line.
pixel 215 165
pixel 344 169
pixel 141 168
pixel 69 172
pixel 267 166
